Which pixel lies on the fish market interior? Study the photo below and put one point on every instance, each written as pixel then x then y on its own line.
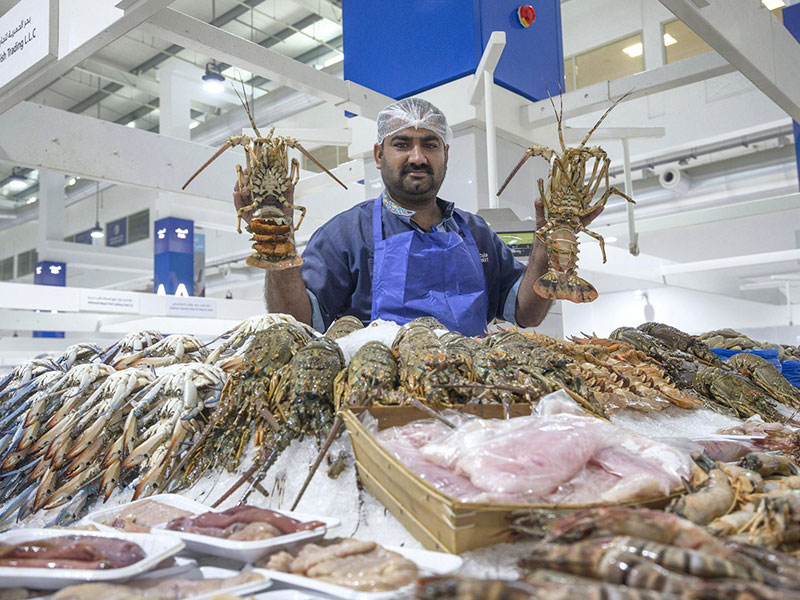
pixel 361 299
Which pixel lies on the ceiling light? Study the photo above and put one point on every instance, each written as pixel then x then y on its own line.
pixel 16 185
pixel 194 124
pixel 97 232
pixel 130 124
pixel 72 181
pixel 634 50
pixel 31 200
pixel 213 80
pixel 669 40
pixel 611 239
pixel 773 4
pixel 333 60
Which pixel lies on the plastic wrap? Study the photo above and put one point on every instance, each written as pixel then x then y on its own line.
pixel 557 457
pixel 416 113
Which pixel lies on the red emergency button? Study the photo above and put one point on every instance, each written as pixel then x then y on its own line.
pixel 526 15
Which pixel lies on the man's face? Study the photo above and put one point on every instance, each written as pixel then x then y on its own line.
pixel 413 163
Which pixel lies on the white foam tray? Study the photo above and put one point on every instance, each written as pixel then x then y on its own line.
pixel 429 563
pixel 247 552
pixel 155 547
pixel 101 518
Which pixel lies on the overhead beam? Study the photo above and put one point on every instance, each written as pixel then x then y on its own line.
pixel 751 39
pixel 732 262
pixel 199 36
pixel 600 95
pixel 79 145
pixel 726 212
pixel 324 8
pixel 37 80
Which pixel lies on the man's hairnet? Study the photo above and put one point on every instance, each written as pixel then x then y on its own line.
pixel 413 112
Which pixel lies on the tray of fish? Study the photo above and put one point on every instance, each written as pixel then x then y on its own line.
pixel 51 559
pixel 315 568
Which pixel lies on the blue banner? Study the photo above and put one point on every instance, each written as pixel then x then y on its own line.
pixel 173 260
pixel 50 273
pixel 116 232
pixel 791 19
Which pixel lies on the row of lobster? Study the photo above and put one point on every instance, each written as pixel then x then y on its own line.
pixel 159 412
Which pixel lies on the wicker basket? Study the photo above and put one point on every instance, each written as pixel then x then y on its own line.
pixel 437 520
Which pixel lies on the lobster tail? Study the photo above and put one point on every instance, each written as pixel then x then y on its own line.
pixel 565 286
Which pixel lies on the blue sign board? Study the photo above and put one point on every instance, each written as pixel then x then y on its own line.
pixel 173 264
pixel 50 273
pixel 116 232
pixel 449 39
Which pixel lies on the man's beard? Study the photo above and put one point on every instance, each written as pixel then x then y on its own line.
pixel 405 188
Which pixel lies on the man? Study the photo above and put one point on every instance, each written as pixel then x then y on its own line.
pixel 408 253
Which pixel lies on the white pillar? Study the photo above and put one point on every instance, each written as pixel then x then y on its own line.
pixel 51 213
pixel 652 12
pixel 176 85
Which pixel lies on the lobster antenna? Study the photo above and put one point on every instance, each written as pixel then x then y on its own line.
pixel 558 114
pixel 605 114
pixel 525 157
pixel 243 99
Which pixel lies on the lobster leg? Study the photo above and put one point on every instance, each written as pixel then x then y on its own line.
pixel 307 154
pixel 599 239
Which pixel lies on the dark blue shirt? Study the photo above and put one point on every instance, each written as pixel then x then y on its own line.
pixel 337 262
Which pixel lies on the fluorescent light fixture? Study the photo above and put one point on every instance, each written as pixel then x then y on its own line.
pixel 669 40
pixel 213 80
pixel 31 200
pixel 634 50
pixel 194 124
pixel 333 60
pixel 97 231
pixel 773 4
pixel 16 185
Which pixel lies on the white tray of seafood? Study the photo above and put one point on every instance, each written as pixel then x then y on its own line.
pixel 226 533
pixel 140 516
pixel 54 558
pixel 363 576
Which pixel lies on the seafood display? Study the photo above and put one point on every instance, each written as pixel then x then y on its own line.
pixel 268 178
pixel 71 552
pixel 155 413
pixel 360 565
pixel 568 199
pixel 242 523
pixel 556 458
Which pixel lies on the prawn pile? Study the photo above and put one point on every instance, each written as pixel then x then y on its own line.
pixel 632 553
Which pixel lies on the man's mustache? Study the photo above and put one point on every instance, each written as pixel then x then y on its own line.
pixel 410 168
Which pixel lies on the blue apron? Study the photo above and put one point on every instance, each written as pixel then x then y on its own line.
pixel 416 274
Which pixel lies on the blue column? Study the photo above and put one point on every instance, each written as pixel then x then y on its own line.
pixel 50 273
pixel 448 40
pixel 791 19
pixel 173 259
